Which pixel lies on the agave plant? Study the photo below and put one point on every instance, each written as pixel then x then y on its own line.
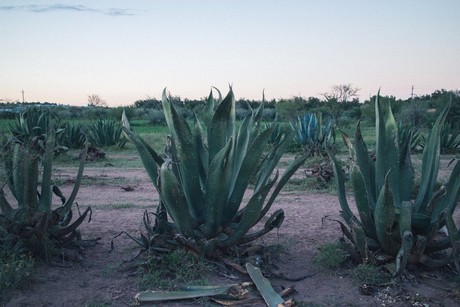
pixel 417 141
pixel 72 136
pixel 390 221
pixel 104 132
pixel 202 184
pixel 450 139
pixel 34 122
pixel 311 133
pixel 33 223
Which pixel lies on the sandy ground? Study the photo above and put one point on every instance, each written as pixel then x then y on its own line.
pixel 96 281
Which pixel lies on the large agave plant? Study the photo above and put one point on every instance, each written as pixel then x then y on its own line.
pixel 33 223
pixel 389 219
pixel 34 122
pixel 450 139
pixel 105 132
pixel 202 184
pixel 314 135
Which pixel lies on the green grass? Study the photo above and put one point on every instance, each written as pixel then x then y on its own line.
pixel 98 181
pixel 15 270
pixel 330 256
pixel 175 269
pixel 119 206
pixel 98 302
pixel 369 274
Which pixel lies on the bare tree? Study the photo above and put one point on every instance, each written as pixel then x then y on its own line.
pixel 337 97
pixel 96 101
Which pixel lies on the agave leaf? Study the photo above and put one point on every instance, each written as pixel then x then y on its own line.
pixel 274 221
pixel 436 224
pixel 241 148
pixel 420 221
pixel 46 195
pixel 291 169
pixel 148 157
pixel 362 202
pixel 391 155
pixel 217 188
pixel 430 162
pixel 72 227
pixel 125 124
pixel 384 216
pixel 73 194
pixel 449 200
pixel 271 298
pixel 247 168
pixel 222 125
pixel 380 171
pixel 59 194
pixel 340 184
pixel 202 150
pixel 31 179
pixel 359 238
pixel 259 111
pixel 405 215
pixel 18 174
pixel 454 233
pixel 270 162
pixel 366 166
pixel 403 253
pixel 406 171
pixel 5 206
pixel 174 200
pixel 160 296
pixel 8 159
pixel 250 215
pixel 189 161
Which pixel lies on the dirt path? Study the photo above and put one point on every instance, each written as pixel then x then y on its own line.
pixel 96 281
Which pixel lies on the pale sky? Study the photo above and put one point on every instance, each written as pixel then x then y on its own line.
pixel 128 50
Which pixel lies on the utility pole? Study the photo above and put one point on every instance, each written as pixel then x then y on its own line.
pixel 22 96
pixel 412 93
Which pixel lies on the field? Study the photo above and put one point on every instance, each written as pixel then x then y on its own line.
pixel 300 254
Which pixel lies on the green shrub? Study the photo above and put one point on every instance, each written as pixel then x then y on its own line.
pixel 369 274
pixel 176 268
pixel 15 269
pixel 331 256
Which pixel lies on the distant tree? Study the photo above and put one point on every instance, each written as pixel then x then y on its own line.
pixel 96 101
pixel 338 98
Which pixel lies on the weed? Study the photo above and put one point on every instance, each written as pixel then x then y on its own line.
pixel 368 274
pixel 15 270
pixel 177 267
pixel 118 206
pixel 98 302
pixel 331 256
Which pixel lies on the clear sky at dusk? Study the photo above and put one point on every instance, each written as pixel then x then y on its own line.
pixel 128 50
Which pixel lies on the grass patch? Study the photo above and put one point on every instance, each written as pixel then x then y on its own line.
pixel 15 270
pixel 368 274
pixel 174 269
pixel 99 180
pixel 118 206
pixel 309 184
pixel 98 302
pixel 331 256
